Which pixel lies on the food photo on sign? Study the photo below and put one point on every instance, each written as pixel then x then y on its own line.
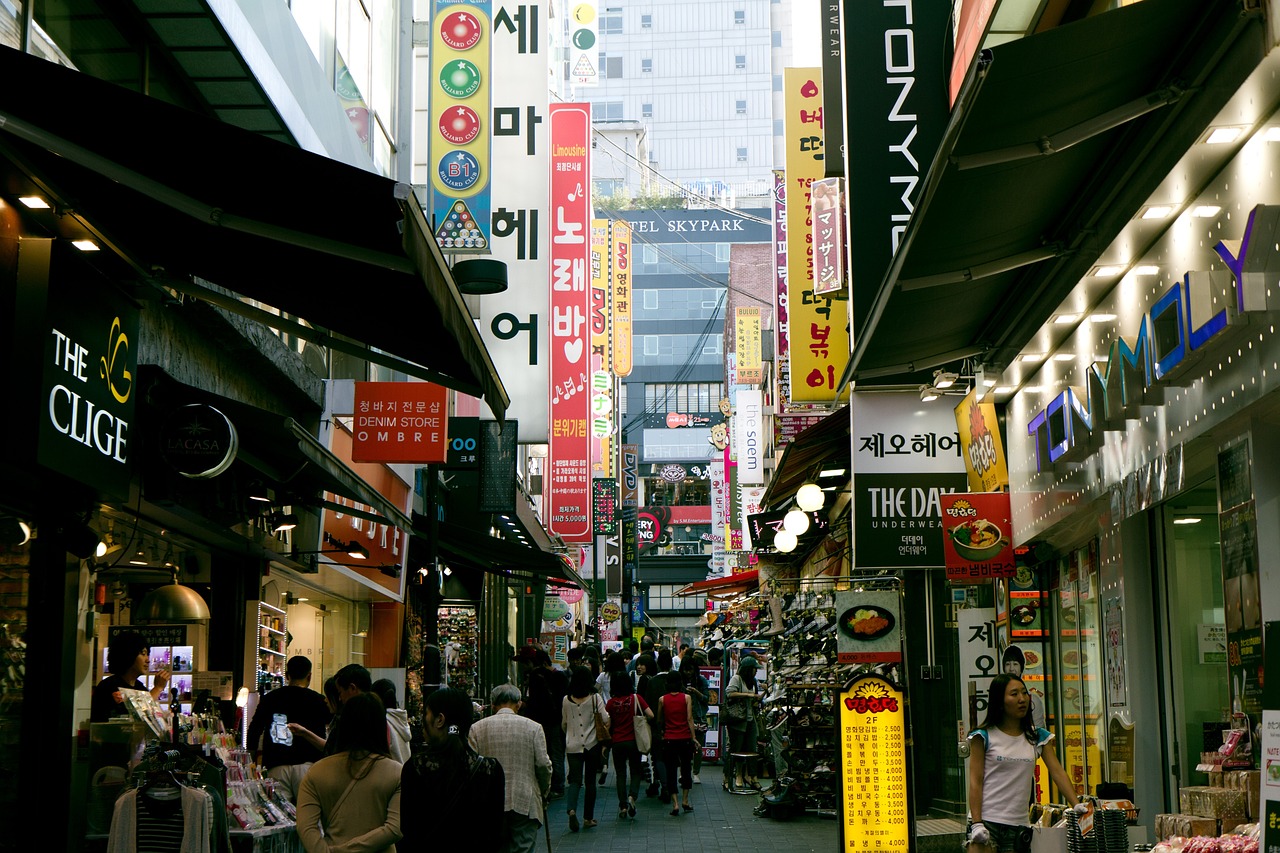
pixel 975 543
pixel 868 626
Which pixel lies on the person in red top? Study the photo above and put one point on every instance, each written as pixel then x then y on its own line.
pixel 675 720
pixel 622 706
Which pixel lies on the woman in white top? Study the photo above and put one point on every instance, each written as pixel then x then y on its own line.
pixel 1002 769
pixel 578 714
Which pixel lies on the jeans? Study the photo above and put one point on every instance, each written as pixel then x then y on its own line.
pixel 523 831
pixel 555 751
pixel 697 750
pixel 659 765
pixel 679 753
pixel 742 738
pixel 583 763
pixel 626 755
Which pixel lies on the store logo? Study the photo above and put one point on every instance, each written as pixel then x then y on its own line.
pixel 871 697
pixel 1168 341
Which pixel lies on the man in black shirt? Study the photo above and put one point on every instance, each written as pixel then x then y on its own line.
pixel 544 694
pixel 293 719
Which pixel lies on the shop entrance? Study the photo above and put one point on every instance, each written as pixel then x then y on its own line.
pixel 1196 703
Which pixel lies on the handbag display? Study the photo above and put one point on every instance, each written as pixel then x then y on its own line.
pixel 644 737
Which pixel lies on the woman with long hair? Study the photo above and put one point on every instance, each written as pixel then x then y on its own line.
pixel 578 714
pixel 449 784
pixel 1002 768
pixel 743 734
pixel 675 720
pixel 623 706
pixel 699 689
pixel 352 797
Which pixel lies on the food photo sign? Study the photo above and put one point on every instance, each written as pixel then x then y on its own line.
pixel 867 627
pixel 975 536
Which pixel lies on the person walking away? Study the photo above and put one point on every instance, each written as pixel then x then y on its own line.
pixel 399 734
pixel 1002 768
pixel 675 719
pixel 281 718
pixel 583 707
pixel 653 693
pixel 448 784
pixel 623 706
pixel 544 697
pixel 351 800
pixel 698 688
pixel 612 663
pixel 128 659
pixel 520 746
pixel 352 680
pixel 742 731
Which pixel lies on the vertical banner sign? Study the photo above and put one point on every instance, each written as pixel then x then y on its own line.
pixel 498 449
pixel 629 464
pixel 733 529
pixel 828 235
pixel 895 111
pixel 601 351
pixel 980 444
pixel 748 439
pixel 781 346
pixel 746 329
pixel 873 751
pixel 719 503
pixel 460 130
pixel 621 252
pixel 584 49
pixel 818 324
pixel 905 457
pixel 832 87
pixel 514 325
pixel 979 662
pixel 400 422
pixel 976 538
pixel 569 453
pixel 604 506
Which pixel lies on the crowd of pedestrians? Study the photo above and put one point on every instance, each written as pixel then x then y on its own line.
pixel 363 778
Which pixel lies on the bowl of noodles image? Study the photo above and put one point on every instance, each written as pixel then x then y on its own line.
pixel 977 540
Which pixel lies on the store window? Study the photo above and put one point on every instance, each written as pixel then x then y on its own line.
pixel 610 66
pixel 10 20
pixel 611 21
pixel 646 66
pixel 1075 696
pixel 662 597
pixel 687 492
pixel 740 60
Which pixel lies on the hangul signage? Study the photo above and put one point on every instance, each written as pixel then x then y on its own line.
pixel 747 339
pixel 980 444
pixel 514 325
pixel 569 454
pixel 979 661
pixel 400 422
pixel 828 235
pixel 604 506
pixel 620 252
pixel 460 131
pixel 601 351
pixel 818 330
pixel 464 443
pixel 976 542
pixel 763 527
pixel 781 343
pixel 876 807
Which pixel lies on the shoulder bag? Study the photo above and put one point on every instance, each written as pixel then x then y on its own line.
pixel 735 708
pixel 644 737
pixel 601 719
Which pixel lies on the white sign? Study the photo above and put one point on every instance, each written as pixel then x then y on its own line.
pixel 896 433
pixel 979 660
pixel 748 439
pixel 1213 643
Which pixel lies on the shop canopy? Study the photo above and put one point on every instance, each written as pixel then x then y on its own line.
pixel 220 213
pixel 1056 141
pixel 729 585
pixel 823 446
pixel 491 554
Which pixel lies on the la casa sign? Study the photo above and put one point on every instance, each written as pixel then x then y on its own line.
pixel 1191 318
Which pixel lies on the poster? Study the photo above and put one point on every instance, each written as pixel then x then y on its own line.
pixel 868 626
pixel 1212 640
pixel 875 798
pixel 976 536
pixel 1117 676
pixel 980 444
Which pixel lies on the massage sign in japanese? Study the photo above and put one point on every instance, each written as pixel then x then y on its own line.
pixel 570 444
pixel 818 324
pixel 873 755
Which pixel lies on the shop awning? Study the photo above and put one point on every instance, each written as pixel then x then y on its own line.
pixel 219 213
pixel 741 582
pixel 1050 150
pixel 491 554
pixel 823 445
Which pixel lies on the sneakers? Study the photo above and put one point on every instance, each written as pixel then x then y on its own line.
pixel 696 780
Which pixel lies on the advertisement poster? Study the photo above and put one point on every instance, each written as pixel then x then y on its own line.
pixel 1026 605
pixel 875 790
pixel 905 457
pixel 868 626
pixel 828 235
pixel 747 339
pixel 620 251
pixel 980 444
pixel 1117 677
pixel 711 747
pixel 818 324
pixel 975 536
pixel 569 454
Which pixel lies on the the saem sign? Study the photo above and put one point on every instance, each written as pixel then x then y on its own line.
pixel 1187 321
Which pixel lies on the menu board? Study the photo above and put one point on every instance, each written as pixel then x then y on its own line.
pixel 604 503
pixel 874 787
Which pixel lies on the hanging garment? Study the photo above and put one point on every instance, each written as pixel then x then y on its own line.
pixel 195 806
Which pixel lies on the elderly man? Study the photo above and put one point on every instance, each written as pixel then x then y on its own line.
pixel 520 746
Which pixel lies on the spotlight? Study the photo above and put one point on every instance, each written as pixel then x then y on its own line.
pixel 944 379
pixel 796 522
pixel 14 531
pixel 281 522
pixel 258 491
pixel 785 541
pixel 810 498
pixel 928 393
pixel 356 551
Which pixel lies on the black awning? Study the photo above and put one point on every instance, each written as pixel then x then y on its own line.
pixel 825 444
pixel 190 201
pixel 1060 140
pixel 491 554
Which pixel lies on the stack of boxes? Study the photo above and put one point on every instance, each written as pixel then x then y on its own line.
pixel 1233 797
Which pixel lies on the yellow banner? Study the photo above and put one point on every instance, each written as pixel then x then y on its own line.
pixel 873 758
pixel 818 323
pixel 747 339
pixel 621 297
pixel 980 444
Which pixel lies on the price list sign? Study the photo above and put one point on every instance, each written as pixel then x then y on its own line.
pixel 604 501
pixel 874 779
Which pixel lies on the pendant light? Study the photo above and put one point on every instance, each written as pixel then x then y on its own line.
pixel 172 602
pixel 785 541
pixel 810 497
pixel 796 521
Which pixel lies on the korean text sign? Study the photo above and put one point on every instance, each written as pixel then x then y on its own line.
pixel 875 810
pixel 975 536
pixel 569 455
pixel 400 422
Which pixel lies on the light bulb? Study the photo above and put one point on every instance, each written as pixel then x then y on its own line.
pixel 810 498
pixel 796 521
pixel 785 541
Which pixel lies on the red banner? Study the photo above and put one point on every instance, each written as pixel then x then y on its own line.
pixel 400 422
pixel 570 445
pixel 976 542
